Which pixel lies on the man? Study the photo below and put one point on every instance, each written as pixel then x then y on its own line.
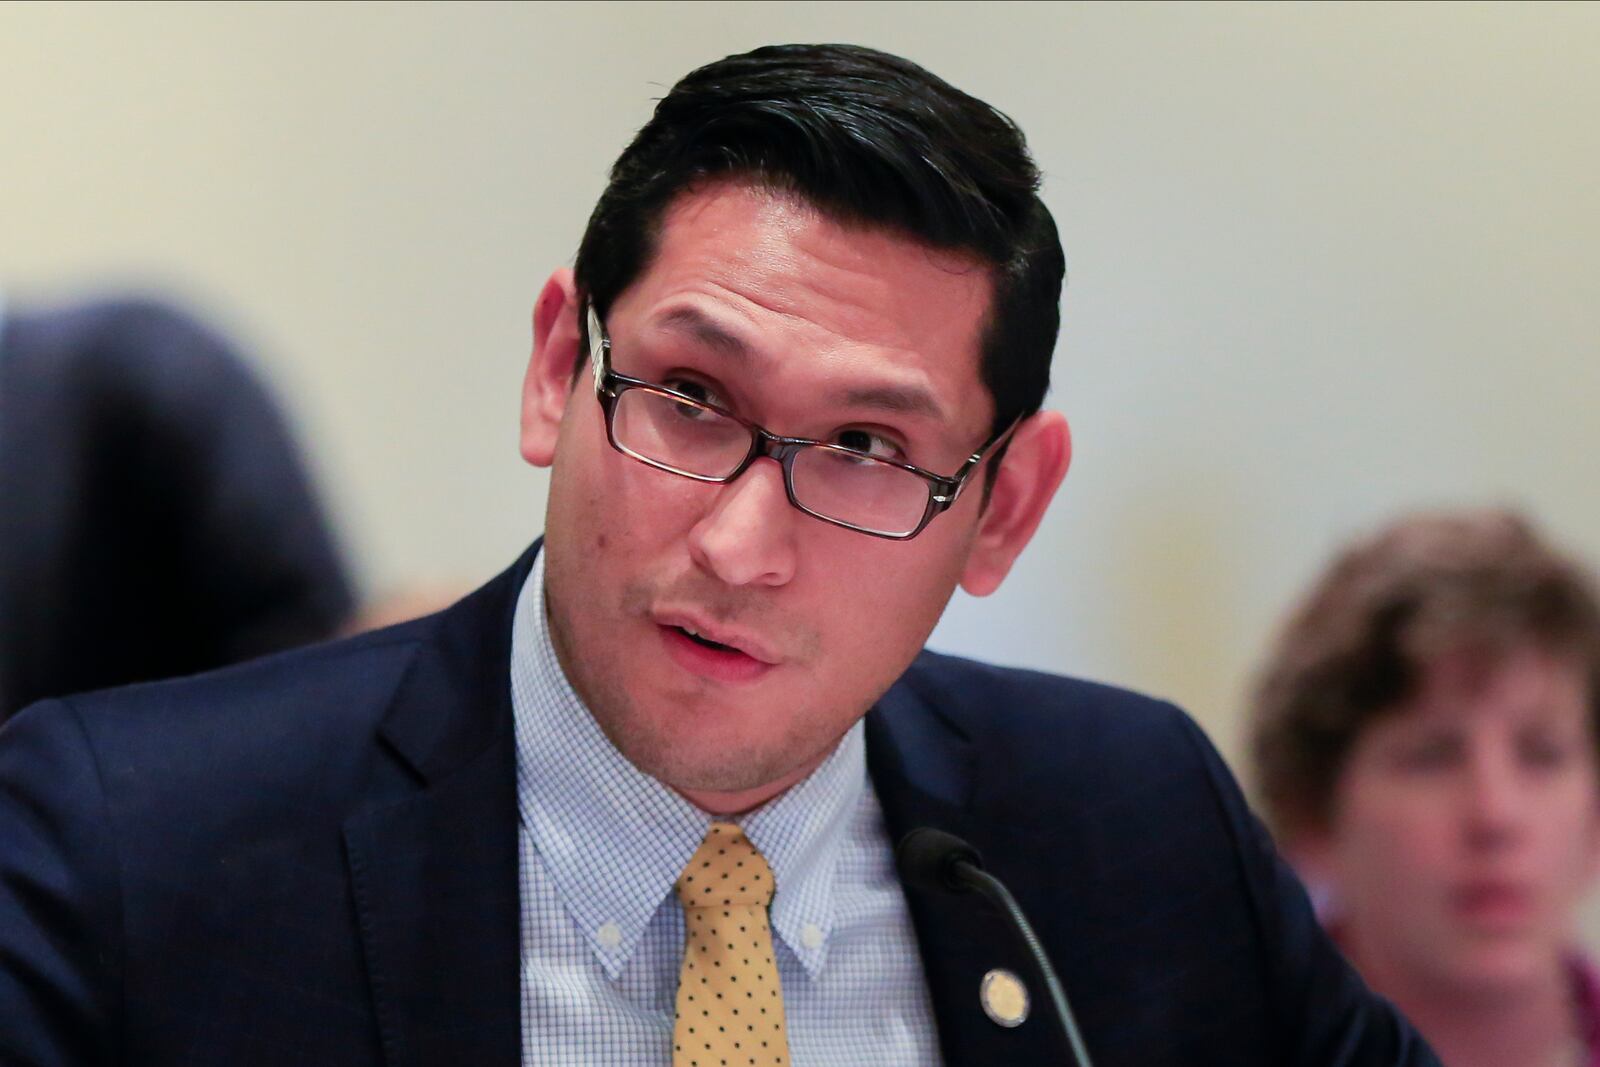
pixel 155 516
pixel 790 397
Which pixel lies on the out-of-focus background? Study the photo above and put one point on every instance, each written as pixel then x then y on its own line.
pixel 1325 264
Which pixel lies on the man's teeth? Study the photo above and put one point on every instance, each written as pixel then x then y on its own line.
pixel 696 634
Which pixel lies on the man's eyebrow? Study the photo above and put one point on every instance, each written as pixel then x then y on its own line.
pixel 898 399
pixel 707 331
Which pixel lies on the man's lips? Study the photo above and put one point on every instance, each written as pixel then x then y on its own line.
pixel 713 662
pixel 710 635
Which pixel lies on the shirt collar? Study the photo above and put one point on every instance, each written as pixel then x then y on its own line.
pixel 613 839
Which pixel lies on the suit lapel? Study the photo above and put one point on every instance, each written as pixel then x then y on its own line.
pixel 925 771
pixel 436 892
pixel 435 874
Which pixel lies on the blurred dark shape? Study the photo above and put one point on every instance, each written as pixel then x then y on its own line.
pixel 155 516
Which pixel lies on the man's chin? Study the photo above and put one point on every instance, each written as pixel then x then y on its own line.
pixel 689 775
pixel 721 775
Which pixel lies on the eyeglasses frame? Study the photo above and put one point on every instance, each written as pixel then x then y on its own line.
pixel 609 385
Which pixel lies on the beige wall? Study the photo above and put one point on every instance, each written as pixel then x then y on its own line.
pixel 1325 263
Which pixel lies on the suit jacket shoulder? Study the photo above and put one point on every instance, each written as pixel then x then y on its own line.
pixel 305 859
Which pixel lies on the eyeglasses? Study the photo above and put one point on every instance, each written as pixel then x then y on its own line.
pixel 681 434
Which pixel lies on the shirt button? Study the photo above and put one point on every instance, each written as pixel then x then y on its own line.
pixel 609 935
pixel 811 935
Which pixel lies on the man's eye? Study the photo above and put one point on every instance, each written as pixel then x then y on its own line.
pixel 694 390
pixel 868 444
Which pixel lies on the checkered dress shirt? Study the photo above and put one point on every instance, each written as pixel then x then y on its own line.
pixel 600 844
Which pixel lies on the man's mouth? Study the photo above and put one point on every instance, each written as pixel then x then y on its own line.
pixel 694 645
pixel 705 642
pixel 714 636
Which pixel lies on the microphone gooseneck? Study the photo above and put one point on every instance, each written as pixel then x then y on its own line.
pixel 934 861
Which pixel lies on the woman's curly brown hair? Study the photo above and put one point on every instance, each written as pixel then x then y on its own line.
pixel 1354 649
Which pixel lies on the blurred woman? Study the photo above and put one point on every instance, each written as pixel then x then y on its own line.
pixel 1426 743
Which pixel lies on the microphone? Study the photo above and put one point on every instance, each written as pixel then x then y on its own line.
pixel 937 862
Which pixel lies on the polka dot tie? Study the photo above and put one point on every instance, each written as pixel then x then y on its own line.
pixel 730 1009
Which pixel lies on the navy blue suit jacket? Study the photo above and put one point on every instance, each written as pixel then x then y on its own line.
pixel 311 859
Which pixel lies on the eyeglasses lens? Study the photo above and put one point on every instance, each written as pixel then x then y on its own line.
pixel 833 482
pixel 685 437
pixel 863 492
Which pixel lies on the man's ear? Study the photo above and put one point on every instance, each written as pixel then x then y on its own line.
pixel 548 383
pixel 1030 472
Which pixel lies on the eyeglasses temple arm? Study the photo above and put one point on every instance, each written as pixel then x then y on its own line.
pixel 976 458
pixel 597 347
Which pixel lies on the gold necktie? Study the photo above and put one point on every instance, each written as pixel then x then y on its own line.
pixel 730 1008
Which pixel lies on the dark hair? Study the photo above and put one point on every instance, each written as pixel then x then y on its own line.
pixel 1355 649
pixel 867 138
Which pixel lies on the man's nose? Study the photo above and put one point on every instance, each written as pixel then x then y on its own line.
pixel 747 536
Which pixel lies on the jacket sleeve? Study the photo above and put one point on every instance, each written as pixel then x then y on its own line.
pixel 60 914
pixel 1327 1015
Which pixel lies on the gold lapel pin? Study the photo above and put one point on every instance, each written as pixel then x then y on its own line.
pixel 1004 998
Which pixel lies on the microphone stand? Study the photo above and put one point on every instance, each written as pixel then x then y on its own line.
pixel 933 860
pixel 980 881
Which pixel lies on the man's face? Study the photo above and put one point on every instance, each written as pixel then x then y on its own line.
pixel 1465 828
pixel 810 329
